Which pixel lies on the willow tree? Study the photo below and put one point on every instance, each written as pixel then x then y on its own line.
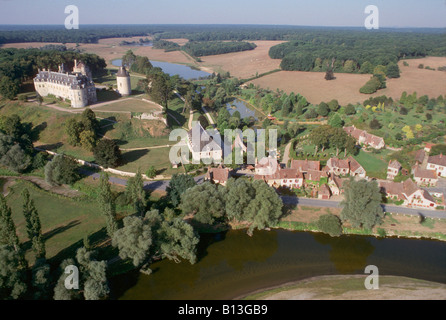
pixel 362 204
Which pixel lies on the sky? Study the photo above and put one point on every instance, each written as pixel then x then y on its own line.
pixel 392 13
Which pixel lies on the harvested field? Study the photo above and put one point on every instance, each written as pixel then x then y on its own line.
pixel 346 87
pixel 247 63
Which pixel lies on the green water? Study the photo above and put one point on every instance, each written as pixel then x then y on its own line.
pixel 233 264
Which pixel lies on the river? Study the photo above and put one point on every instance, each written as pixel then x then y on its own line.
pixel 173 69
pixel 232 264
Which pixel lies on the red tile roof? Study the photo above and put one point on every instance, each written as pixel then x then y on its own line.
pixel 439 160
pixel 305 165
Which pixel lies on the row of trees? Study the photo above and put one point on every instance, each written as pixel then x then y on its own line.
pixel 209 48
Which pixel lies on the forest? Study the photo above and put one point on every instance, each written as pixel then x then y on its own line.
pixel 354 51
pixel 200 49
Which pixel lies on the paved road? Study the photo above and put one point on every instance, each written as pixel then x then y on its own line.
pixel 438 214
pixel 162 185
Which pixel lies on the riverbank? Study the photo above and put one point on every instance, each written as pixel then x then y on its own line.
pixel 351 287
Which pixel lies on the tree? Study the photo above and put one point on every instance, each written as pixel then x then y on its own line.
pixel 393 71
pixel 41 279
pixel 373 85
pixel 362 204
pixel 136 194
pixel 438 149
pixel 177 239
pixel 93 274
pixel 89 122
pixel 107 204
pixel 177 186
pixel 375 124
pixel 330 224
pixel 61 170
pixel 239 194
pixel 73 130
pixel 350 110
pixel 8 233
pixel 9 88
pixel 205 202
pixel 60 290
pixel 333 105
pixel 336 121
pixel 265 209
pixel 16 159
pixel 33 225
pixel 107 153
pixel 151 172
pixel 160 90
pixel 320 137
pixel 134 240
pixel 323 109
pixel 87 140
pixel 311 114
pixel 12 275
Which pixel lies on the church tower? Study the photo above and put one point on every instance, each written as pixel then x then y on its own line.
pixel 123 82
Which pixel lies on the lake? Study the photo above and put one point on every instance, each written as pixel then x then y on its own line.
pixel 232 264
pixel 172 69
pixel 240 106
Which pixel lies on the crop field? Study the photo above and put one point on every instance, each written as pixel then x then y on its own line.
pixel 345 88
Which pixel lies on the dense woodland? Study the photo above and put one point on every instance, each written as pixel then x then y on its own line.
pixel 354 52
pixel 200 49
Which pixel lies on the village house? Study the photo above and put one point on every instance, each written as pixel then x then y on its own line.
pixel 219 175
pixel 393 169
pixel 428 147
pixel 335 185
pixel 419 156
pixel 437 163
pixel 324 192
pixel 289 178
pixel 305 165
pixel 409 193
pixel 346 167
pixel 365 138
pixel 266 166
pixel 424 177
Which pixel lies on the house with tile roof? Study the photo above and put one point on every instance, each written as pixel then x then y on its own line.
pixel 345 167
pixel 219 175
pixel 437 163
pixel 409 193
pixel 289 178
pixel 204 145
pixel 305 165
pixel 365 138
pixel 424 177
pixel 393 169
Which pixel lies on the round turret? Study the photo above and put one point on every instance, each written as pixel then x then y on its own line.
pixel 123 82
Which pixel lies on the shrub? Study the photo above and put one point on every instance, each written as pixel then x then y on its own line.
pixel 330 224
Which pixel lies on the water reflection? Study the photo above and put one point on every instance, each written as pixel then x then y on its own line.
pixel 347 256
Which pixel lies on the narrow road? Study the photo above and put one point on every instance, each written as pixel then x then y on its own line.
pixel 286 155
pixel 437 214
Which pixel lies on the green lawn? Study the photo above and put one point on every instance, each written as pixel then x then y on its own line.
pixel 133 105
pixel 64 221
pixel 374 164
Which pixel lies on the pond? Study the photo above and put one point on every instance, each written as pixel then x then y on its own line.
pixel 232 264
pixel 172 69
pixel 240 106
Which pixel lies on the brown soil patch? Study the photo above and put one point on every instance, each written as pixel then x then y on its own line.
pixel 345 88
pixel 309 214
pixel 247 63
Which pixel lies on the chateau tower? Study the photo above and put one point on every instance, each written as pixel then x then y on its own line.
pixel 123 82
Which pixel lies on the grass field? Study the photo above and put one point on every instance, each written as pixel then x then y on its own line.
pixel 374 164
pixel 130 105
pixel 64 221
